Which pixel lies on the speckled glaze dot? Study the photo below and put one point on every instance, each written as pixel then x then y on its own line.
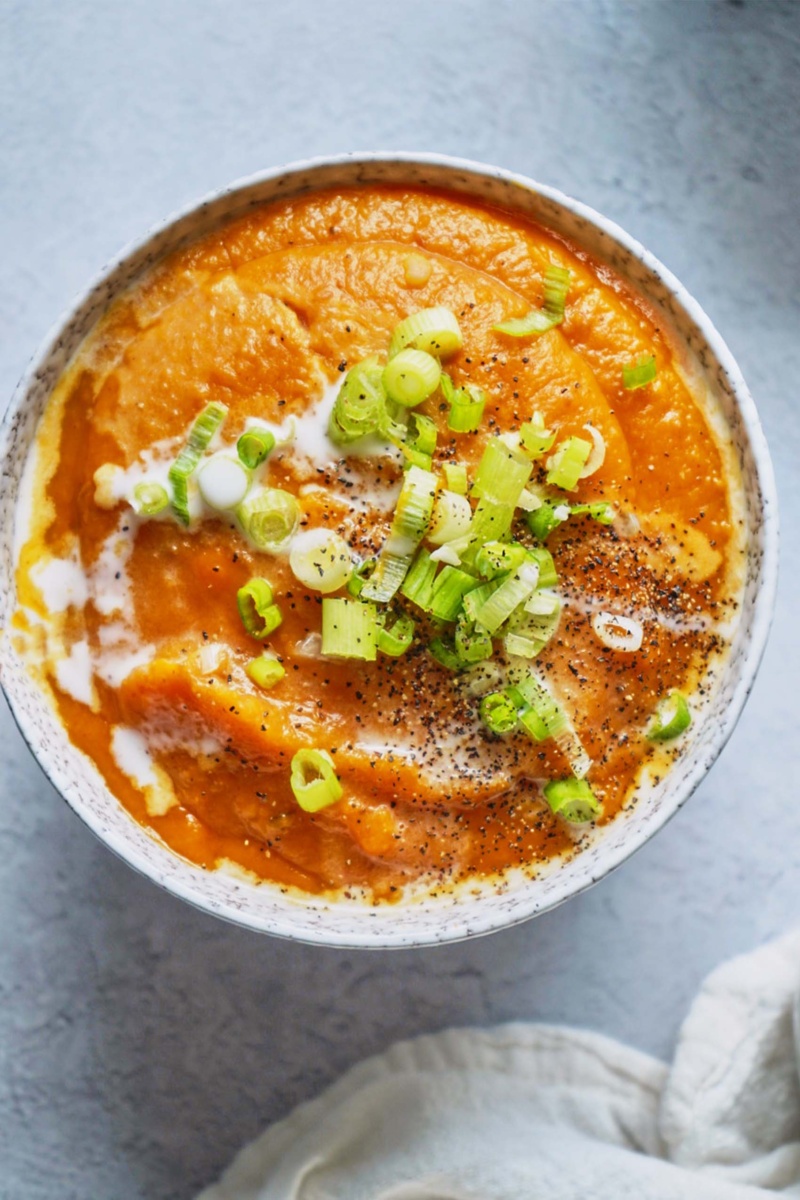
pixel 463 915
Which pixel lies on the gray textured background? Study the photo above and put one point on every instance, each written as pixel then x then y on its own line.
pixel 140 1042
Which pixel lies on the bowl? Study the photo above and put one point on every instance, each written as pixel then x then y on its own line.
pixel 450 918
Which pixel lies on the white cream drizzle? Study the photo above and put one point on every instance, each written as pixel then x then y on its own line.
pixel 132 755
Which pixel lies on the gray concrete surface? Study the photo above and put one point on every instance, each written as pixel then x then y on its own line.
pixel 140 1042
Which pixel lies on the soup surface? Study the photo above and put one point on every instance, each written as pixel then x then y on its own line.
pixel 529 641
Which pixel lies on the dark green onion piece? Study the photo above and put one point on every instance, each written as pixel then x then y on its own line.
pixel 572 799
pixel 253 447
pixel 200 435
pixel 567 463
pixel 443 650
pixel 467 405
pixel 260 615
pixel 499 712
pixel 671 718
pixel 496 558
pixel 543 520
pixel 639 374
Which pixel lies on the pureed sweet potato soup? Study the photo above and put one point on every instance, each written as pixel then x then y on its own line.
pixel 377 543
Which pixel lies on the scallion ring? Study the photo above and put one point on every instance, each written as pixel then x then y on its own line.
pixel 572 799
pixel 411 377
pixel 671 718
pixel 314 780
pixel 321 560
pixel 260 615
pixel 618 633
pixel 150 499
pixel 269 518
pixel 254 446
pixel 435 330
pixel 200 436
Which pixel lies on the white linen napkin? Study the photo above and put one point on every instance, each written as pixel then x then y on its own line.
pixel 524 1112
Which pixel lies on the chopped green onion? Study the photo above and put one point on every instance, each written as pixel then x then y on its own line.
pixel 499 712
pixel 530 633
pixel 543 603
pixel 411 376
pixel 547 517
pixel 471 641
pixel 360 404
pixel 269 517
pixel 361 574
pixel 418 583
pixel 495 558
pixel 547 567
pixel 474 600
pixel 314 780
pixel 513 591
pixel 260 615
pixel 395 638
pixel 549 715
pixel 349 629
pixel 671 718
pixel 539 320
pixel 411 519
pixel 265 671
pixel 572 799
pixel 451 518
pixel 600 511
pixel 223 482
pixel 434 330
pixel 444 652
pixel 320 559
pixel 641 373
pixel 418 441
pixel 254 445
pixel 455 475
pixel 490 522
pixel 466 405
pixel 200 435
pixel 449 589
pixel 566 464
pixel 502 473
pixel 151 499
pixel 534 438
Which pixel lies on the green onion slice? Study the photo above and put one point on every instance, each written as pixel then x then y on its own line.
pixel 496 558
pixel 530 633
pixel 411 519
pixel 455 475
pixel 269 517
pixel 451 518
pixel 435 330
pixel 260 615
pixel 265 671
pixel 411 376
pixel 150 499
pixel 320 559
pixel 418 583
pixel 314 780
pixel 534 438
pixel 539 320
pixel 566 465
pixel 671 718
pixel 360 405
pixel 572 799
pixel 223 481
pixel 466 405
pixel 513 591
pixel 547 567
pixel 547 517
pixel 396 634
pixel 502 473
pixel 349 629
pixel 443 650
pixel 499 712
pixel 472 642
pixel 200 435
pixel 640 373
pixel 253 447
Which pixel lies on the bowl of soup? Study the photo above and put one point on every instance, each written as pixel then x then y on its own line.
pixel 389 546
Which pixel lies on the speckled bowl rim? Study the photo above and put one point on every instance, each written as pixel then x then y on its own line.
pixel 395 926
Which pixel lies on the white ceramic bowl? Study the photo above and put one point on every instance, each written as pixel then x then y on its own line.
pixel 263 907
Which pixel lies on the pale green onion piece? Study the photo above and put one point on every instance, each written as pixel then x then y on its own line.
pixel 472 642
pixel 200 435
pixel 513 591
pixel 502 473
pixel 572 799
pixel 599 510
pixel 253 447
pixel 539 320
pixel 269 518
pixel 467 405
pixel 418 583
pixel 223 482
pixel 150 499
pixel 536 321
pixel 529 501
pixel 449 589
pixel 320 559
pixel 639 374
pixel 566 465
pixel 495 558
pixel 598 453
pixel 435 330
pixel 411 519
pixel 418 441
pixel 451 518
pixel 475 599
pixel 534 438
pixel 349 629
pixel 499 713
pixel 556 286
pixel 443 650
pixel 671 718
pixel 543 603
pixel 547 568
pixel 531 631
pixel 265 671
pixel 455 475
pixel 618 632
pixel 260 615
pixel 360 575
pixel 411 377
pixel 360 405
pixel 396 634
pixel 547 718
pixel 314 780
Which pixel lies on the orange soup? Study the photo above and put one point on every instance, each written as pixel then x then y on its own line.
pixel 379 543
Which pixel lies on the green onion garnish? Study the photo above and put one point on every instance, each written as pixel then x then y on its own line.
pixel 513 591
pixel 466 405
pixel 361 574
pixel 349 629
pixel 502 473
pixel 534 438
pixel 434 330
pixel 451 518
pixel 472 642
pixel 548 577
pixel 151 499
pixel 455 475
pixel 253 447
pixel 443 650
pixel 449 589
pixel 499 712
pixel 671 718
pixel 265 671
pixel 566 464
pixel 532 631
pixel 539 320
pixel 314 780
pixel 269 517
pixel 418 583
pixel 639 374
pixel 411 519
pixel 260 615
pixel 600 511
pixel 543 520
pixel 200 435
pixel 474 600
pixel 320 559
pixel 572 799
pixel 360 405
pixel 495 558
pixel 411 377
pixel 396 635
